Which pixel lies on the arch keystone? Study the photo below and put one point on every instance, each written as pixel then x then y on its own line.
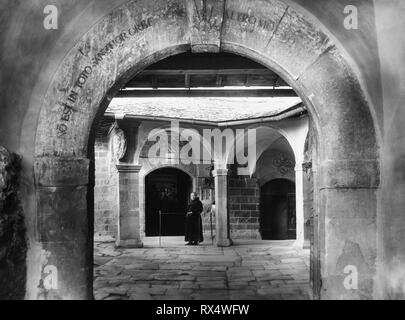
pixel 205 21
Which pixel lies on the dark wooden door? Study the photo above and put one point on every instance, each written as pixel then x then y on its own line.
pixel 167 191
pixel 277 210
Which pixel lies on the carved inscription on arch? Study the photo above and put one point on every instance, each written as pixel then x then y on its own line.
pixel 68 106
pixel 249 22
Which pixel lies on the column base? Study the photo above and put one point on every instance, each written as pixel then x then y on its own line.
pixel 131 243
pixel 223 242
pixel 299 244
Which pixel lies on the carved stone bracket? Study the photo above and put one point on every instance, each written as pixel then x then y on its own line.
pixel 205 19
pixel 119 143
pixel 306 166
pixel 125 139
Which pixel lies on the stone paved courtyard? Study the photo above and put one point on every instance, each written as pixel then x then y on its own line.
pixel 247 270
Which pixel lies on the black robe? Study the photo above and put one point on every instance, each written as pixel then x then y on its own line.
pixel 193 227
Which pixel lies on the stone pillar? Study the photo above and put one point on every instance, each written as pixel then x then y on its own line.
pixel 64 228
pixel 315 278
pixel 309 202
pixel 221 206
pixel 299 205
pixel 347 228
pixel 128 206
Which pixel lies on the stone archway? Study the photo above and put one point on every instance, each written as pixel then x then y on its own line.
pixel 270 32
pixel 293 132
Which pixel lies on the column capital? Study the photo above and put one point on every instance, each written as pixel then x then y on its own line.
pixel 299 167
pixel 128 168
pixel 220 172
pixel 307 165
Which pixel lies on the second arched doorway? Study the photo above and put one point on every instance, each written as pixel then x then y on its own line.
pixel 166 191
pixel 277 210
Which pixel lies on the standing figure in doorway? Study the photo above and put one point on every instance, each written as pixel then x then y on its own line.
pixel 194 232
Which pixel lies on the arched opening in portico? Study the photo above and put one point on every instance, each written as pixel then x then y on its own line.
pixel 167 192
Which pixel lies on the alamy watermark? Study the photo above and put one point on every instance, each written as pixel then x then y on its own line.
pixel 51 17
pixel 351 20
pixel 351 281
pixel 188 146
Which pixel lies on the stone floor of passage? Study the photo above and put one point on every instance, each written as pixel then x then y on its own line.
pixel 169 270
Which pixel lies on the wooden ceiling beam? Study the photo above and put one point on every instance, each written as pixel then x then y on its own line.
pixel 161 93
pixel 205 78
pixel 206 72
pixel 218 81
pixel 187 80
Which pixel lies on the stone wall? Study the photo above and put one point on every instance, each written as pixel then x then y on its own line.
pixel 13 244
pixel 244 207
pixel 105 192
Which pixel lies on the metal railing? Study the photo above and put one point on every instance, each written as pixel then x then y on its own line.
pixel 175 213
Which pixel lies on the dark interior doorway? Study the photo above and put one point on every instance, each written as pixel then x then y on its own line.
pixel 167 190
pixel 277 210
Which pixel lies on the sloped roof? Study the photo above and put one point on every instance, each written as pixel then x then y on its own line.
pixel 205 109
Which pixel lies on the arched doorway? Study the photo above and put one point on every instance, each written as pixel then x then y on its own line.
pixel 277 210
pixel 281 37
pixel 166 193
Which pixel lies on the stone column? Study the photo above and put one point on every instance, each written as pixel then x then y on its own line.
pixel 309 202
pixel 221 207
pixel 315 245
pixel 128 206
pixel 347 192
pixel 64 229
pixel 299 205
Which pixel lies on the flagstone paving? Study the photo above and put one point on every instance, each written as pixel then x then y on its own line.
pixel 248 270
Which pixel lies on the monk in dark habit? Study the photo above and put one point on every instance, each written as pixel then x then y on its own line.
pixel 194 232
